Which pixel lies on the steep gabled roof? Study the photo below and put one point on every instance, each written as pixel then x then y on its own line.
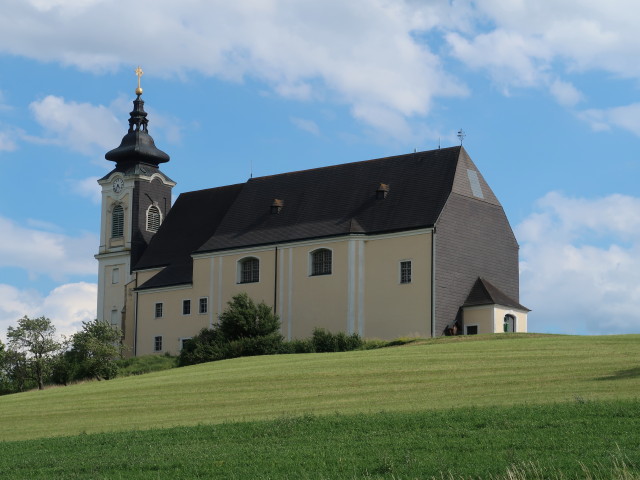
pixel 316 203
pixel 191 221
pixel 340 199
pixel 484 292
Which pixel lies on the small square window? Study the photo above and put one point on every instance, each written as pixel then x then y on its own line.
pixel 472 329
pixel 204 305
pixel 186 307
pixel 405 271
pixel 158 310
pixel 115 275
pixel 157 343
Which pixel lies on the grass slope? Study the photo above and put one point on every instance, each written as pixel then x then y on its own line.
pixel 437 374
pixel 489 442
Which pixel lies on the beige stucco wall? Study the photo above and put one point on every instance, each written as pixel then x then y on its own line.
pixel 394 309
pixel 363 294
pixel 482 316
pixel 521 318
pixel 490 318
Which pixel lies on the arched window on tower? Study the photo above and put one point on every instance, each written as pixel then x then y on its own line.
pixel 117 222
pixel 153 219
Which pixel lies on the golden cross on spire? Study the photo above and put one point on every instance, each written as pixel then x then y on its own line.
pixel 139 73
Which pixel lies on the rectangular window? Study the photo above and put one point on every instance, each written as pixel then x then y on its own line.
pixel 186 307
pixel 115 275
pixel 157 343
pixel 405 271
pixel 472 329
pixel 158 310
pixel 183 341
pixel 114 317
pixel 204 305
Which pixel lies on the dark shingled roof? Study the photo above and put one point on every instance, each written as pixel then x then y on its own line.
pixel 484 293
pixel 339 200
pixel 321 202
pixel 191 221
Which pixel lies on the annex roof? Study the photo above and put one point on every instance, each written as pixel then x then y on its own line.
pixel 484 292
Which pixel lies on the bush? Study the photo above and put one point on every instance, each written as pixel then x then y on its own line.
pixel 297 346
pixel 244 319
pixel 325 341
pixel 252 346
pixel 145 364
pixel 207 346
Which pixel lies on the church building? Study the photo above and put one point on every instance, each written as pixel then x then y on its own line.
pixel 409 245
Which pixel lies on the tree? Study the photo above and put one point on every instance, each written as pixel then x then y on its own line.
pixel 244 319
pixel 95 350
pixel 35 338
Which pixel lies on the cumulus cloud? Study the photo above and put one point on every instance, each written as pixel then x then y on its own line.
pixel 67 306
pixel 7 142
pixel 41 252
pixel 580 264
pixel 89 188
pixel 80 126
pixel 626 117
pixel 363 53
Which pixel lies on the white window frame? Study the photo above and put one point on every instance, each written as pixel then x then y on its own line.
pixel 117 229
pixel 410 262
pixel 311 254
pixel 115 275
pixel 183 303
pixel 466 329
pixel 158 339
pixel 114 317
pixel 240 266
pixel 158 307
pixel 154 206
pixel 206 305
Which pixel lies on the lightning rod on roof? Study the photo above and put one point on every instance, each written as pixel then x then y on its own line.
pixel 461 135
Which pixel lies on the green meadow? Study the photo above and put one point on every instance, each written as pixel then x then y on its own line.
pixel 503 406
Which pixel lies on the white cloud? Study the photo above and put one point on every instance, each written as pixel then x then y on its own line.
pixel 363 53
pixel 89 188
pixel 7 142
pixel 41 252
pixel 306 125
pixel 80 126
pixel 626 117
pixel 580 264
pixel 67 306
pixel 565 93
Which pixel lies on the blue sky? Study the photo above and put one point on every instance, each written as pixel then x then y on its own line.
pixel 546 91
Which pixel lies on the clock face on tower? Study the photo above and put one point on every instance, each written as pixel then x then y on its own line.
pixel 118 185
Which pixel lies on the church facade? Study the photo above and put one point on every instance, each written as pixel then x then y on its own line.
pixel 410 245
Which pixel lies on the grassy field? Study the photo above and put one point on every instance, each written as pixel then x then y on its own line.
pixel 489 442
pixel 444 373
pixel 469 406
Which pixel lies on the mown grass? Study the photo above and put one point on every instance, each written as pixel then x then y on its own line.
pixel 437 374
pixel 579 439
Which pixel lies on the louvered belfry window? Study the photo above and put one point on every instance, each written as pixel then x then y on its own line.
pixel 117 222
pixel 153 218
pixel 321 262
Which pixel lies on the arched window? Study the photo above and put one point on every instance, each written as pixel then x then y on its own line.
pixel 509 323
pixel 153 218
pixel 249 270
pixel 117 222
pixel 321 261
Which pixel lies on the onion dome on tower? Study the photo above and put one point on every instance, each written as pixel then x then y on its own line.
pixel 137 146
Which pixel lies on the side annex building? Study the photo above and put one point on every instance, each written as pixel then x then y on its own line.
pixel 409 245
